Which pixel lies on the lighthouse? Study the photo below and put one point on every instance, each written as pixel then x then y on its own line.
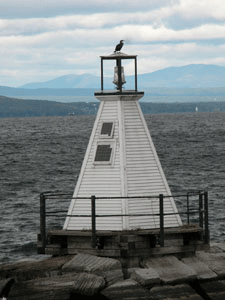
pixel 121 167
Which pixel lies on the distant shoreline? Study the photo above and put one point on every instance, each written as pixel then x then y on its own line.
pixel 11 107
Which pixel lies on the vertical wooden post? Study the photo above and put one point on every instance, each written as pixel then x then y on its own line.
pixel 93 219
pixel 42 222
pixel 206 209
pixel 161 216
pixel 200 210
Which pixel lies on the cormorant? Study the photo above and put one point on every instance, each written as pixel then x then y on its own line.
pixel 119 46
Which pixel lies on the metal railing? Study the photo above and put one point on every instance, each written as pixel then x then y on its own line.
pixel 201 211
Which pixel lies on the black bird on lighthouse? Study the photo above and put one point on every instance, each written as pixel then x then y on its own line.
pixel 119 46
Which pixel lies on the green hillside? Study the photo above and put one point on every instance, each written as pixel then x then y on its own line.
pixel 10 107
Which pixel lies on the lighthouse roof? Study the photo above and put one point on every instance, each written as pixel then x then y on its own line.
pixel 118 55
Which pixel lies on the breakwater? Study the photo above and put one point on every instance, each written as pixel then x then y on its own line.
pixel 82 275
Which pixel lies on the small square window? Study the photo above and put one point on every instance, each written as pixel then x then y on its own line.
pixel 103 153
pixel 107 128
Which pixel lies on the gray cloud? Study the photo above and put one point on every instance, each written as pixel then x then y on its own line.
pixel 69 41
pixel 49 8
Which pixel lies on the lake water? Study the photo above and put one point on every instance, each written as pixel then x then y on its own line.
pixel 46 153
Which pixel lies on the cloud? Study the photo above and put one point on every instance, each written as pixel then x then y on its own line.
pixel 48 8
pixel 43 39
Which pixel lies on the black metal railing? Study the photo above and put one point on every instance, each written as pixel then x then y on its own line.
pixel 197 208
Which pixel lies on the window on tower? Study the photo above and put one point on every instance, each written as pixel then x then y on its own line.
pixel 107 129
pixel 103 153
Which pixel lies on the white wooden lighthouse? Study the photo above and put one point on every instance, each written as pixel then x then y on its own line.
pixel 121 165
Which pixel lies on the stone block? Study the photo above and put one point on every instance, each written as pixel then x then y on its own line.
pixel 215 261
pixel 28 270
pixel 202 270
pixel 214 289
pixel 54 288
pixel 88 284
pixel 127 289
pixel 109 268
pixel 177 292
pixel 219 247
pixel 170 269
pixel 146 277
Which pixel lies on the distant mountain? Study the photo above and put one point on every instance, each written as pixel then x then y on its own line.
pixel 66 82
pixel 190 76
pixel 191 83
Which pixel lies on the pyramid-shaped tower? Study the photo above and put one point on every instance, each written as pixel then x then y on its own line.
pixel 121 167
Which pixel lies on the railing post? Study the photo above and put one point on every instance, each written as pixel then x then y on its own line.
pixel 42 222
pixel 206 209
pixel 93 220
pixel 188 216
pixel 200 210
pixel 161 216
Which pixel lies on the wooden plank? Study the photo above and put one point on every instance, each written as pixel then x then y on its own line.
pixel 168 231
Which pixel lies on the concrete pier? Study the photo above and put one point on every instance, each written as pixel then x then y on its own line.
pixel 198 277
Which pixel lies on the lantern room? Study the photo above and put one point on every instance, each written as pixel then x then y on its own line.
pixel 119 79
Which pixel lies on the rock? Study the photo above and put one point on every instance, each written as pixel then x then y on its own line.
pixel 27 270
pixel 177 292
pixel 127 289
pixel 220 247
pixel 59 287
pixel 146 277
pixel 214 289
pixel 108 268
pixel 170 269
pixel 88 284
pixel 202 270
pixel 215 261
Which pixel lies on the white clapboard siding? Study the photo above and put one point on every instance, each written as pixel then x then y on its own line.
pixel 144 172
pixel 99 180
pixel 135 170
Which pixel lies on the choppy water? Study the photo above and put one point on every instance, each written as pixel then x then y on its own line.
pixel 41 154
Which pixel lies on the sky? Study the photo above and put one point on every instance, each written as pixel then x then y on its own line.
pixel 44 39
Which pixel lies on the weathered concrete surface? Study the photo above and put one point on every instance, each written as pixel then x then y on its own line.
pixel 31 269
pixel 146 277
pixel 108 268
pixel 127 289
pixel 170 269
pixel 215 261
pixel 202 270
pixel 177 292
pixel 59 287
pixel 214 289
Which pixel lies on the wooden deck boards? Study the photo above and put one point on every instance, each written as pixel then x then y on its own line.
pixel 174 230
